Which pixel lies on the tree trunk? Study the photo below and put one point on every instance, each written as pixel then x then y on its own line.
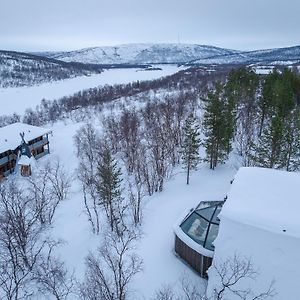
pixel 188 174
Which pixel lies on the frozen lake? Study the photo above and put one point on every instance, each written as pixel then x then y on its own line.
pixel 16 100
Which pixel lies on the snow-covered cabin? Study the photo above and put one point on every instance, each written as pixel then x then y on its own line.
pixel 260 221
pixel 34 138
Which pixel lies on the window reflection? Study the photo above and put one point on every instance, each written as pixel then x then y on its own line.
pixel 196 228
pixel 202 224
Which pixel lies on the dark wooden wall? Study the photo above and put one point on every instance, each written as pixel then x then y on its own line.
pixel 198 262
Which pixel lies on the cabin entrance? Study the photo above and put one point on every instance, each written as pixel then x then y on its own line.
pixel 25 170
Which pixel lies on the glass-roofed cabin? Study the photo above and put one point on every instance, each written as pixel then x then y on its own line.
pixel 194 236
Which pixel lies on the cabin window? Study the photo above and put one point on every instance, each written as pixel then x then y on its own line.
pixel 195 227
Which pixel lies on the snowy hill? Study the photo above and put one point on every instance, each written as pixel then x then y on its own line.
pixel 268 56
pixel 21 69
pixel 175 53
pixel 140 54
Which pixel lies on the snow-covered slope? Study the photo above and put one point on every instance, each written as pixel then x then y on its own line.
pixel 140 54
pixel 22 69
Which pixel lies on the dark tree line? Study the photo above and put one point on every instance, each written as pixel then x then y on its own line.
pixel 278 143
pixel 257 116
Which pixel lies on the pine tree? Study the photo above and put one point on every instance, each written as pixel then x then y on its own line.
pixel 218 126
pixel 290 152
pixel 267 152
pixel 109 187
pixel 240 95
pixel 279 95
pixel 190 146
pixel 266 101
pixel 278 145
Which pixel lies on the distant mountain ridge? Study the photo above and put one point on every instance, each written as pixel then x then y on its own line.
pixel 268 56
pixel 192 54
pixel 140 54
pixel 25 69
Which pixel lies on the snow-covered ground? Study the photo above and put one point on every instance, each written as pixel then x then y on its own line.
pixel 161 213
pixel 18 99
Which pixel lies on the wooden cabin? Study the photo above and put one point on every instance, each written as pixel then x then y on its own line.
pixel 12 137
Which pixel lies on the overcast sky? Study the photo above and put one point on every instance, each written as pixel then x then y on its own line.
pixel 34 25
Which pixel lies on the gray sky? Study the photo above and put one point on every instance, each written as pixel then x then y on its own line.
pixel 34 25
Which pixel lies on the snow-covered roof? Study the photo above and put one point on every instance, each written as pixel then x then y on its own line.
pixel 24 160
pixel 260 222
pixel 10 137
pixel 265 198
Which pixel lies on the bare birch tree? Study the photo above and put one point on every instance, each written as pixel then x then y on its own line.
pixel 112 268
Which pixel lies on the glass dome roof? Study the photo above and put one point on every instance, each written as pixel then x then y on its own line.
pixel 202 224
